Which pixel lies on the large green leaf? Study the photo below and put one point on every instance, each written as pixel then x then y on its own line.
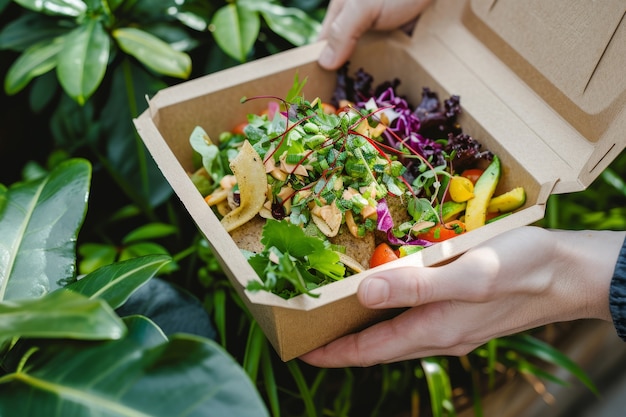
pixel 82 62
pixel 55 7
pixel 116 282
pixel 151 51
pixel 33 62
pixel 60 314
pixel 141 375
pixel 39 226
pixel 289 22
pixel 235 30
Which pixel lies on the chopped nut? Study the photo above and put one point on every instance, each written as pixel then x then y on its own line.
pixel 350 223
pixel 327 218
pixel 368 211
pixel 228 181
pixel 298 169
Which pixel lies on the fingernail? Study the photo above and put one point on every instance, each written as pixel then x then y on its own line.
pixel 375 291
pixel 327 58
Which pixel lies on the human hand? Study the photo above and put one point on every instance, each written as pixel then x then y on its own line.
pixel 347 20
pixel 520 280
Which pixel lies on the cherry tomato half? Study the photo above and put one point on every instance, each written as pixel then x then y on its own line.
pixel 238 130
pixel 329 108
pixel 382 254
pixel 442 232
pixel 472 174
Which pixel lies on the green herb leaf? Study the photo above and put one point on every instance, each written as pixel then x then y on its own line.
pixel 290 239
pixel 293 262
pixel 209 152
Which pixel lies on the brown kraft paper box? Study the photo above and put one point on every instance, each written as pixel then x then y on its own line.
pixel 542 85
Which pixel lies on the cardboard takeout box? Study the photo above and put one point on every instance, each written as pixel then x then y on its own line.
pixel 544 89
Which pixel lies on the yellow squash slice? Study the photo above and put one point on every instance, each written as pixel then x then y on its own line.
pixel 249 170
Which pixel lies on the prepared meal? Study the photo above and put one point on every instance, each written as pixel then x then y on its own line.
pixel 315 191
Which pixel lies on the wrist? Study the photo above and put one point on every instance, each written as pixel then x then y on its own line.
pixel 587 262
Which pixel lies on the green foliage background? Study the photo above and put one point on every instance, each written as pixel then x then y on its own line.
pixel 75 74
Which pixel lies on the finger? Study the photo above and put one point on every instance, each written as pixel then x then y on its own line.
pixel 418 332
pixel 333 10
pixel 471 277
pixel 342 29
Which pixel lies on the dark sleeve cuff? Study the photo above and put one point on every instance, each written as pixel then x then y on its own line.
pixel 617 294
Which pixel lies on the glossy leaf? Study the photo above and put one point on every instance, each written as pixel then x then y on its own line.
pixel 152 52
pixel 116 282
pixel 82 62
pixel 55 7
pixel 33 62
pixel 289 22
pixel 235 30
pixel 39 227
pixel 60 314
pixel 142 374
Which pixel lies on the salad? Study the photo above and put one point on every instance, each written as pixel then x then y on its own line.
pixel 315 191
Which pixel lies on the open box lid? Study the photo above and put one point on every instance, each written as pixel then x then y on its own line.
pixel 559 65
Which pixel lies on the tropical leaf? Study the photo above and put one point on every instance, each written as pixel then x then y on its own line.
pixel 236 30
pixel 55 7
pixel 141 375
pixel 116 282
pixel 151 51
pixel 82 62
pixel 40 224
pixel 60 314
